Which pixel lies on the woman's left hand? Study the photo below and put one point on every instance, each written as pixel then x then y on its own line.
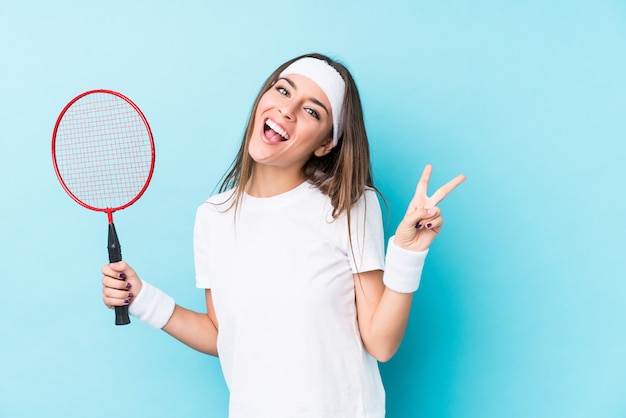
pixel 422 221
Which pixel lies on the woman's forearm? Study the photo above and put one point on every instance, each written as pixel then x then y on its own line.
pixel 193 329
pixel 382 315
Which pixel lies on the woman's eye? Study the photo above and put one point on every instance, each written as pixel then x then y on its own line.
pixel 312 112
pixel 282 90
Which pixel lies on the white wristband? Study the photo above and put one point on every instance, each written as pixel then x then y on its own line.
pixel 403 268
pixel 152 306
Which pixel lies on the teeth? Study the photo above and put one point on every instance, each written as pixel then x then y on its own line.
pixel 280 131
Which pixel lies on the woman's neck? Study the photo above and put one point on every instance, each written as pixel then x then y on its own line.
pixel 272 181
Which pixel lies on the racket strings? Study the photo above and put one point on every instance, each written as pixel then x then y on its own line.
pixel 104 151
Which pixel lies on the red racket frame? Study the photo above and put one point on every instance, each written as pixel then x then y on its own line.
pixel 108 211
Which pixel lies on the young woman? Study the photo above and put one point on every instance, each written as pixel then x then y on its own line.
pixel 301 300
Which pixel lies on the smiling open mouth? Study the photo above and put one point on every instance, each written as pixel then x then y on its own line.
pixel 273 132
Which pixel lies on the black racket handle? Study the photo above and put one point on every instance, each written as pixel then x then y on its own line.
pixel 115 255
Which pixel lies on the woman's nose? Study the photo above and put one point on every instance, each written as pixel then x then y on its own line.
pixel 287 111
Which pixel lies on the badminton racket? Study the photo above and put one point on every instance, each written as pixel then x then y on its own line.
pixel 103 155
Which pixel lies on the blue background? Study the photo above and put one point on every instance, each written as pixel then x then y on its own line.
pixel 521 312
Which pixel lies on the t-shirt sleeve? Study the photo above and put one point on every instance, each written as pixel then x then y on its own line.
pixel 367 235
pixel 201 247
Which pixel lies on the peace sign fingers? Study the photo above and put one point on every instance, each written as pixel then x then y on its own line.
pixel 421 199
pixel 422 221
pixel 444 190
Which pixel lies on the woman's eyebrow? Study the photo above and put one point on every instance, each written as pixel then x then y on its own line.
pixel 313 99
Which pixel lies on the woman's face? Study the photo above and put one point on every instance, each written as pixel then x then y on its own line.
pixel 293 120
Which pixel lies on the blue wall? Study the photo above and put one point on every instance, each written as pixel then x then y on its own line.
pixel 521 312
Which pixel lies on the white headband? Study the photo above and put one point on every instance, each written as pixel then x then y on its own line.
pixel 329 80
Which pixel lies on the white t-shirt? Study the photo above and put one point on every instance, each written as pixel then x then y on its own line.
pixel 281 279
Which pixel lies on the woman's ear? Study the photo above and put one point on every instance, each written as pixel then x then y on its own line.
pixel 325 148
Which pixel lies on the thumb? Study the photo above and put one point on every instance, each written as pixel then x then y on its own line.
pixel 118 266
pixel 413 219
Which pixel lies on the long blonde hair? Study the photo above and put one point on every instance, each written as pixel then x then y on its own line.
pixel 343 174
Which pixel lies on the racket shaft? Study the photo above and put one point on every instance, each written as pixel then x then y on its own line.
pixel 115 255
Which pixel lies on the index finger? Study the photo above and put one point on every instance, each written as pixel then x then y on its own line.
pixel 444 190
pixel 115 270
pixel 422 184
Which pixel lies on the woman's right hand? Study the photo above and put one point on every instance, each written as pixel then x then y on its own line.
pixel 120 284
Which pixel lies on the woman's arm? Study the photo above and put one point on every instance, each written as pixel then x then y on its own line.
pixel 382 314
pixel 383 300
pixel 122 286
pixel 197 330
